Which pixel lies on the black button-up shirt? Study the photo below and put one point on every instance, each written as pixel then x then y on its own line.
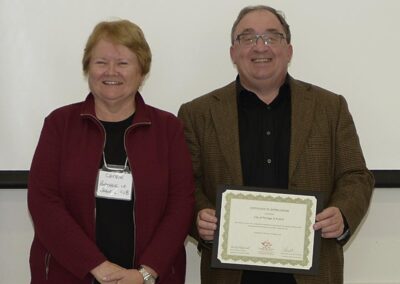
pixel 264 137
pixel 264 133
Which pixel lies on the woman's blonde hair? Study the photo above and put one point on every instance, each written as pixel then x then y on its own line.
pixel 121 32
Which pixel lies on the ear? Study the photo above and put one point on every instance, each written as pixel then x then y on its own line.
pixel 142 79
pixel 289 52
pixel 233 52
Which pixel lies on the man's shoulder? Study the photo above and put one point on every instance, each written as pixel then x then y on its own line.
pixel 316 92
pixel 226 92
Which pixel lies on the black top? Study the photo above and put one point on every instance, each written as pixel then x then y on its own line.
pixel 114 218
pixel 264 136
pixel 264 133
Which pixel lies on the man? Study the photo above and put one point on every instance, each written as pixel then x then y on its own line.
pixel 267 129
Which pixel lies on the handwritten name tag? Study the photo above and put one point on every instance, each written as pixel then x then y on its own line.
pixel 114 185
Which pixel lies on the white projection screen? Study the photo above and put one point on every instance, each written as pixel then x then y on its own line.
pixel 349 47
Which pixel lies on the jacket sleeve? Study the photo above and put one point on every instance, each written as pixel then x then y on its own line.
pixel 353 182
pixel 192 140
pixel 54 226
pixel 174 226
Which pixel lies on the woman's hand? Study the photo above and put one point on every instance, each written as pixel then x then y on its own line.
pixel 104 269
pixel 124 276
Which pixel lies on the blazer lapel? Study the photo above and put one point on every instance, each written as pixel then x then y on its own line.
pixel 225 118
pixel 302 117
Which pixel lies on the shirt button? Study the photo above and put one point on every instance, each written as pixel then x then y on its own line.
pixel 268 132
pixel 269 161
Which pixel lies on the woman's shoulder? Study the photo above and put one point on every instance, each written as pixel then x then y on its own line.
pixel 66 112
pixel 162 116
pixel 66 109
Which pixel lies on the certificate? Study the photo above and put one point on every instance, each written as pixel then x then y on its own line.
pixel 267 229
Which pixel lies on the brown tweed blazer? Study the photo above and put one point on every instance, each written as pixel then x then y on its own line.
pixel 325 155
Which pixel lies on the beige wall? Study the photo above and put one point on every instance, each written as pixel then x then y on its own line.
pixel 349 47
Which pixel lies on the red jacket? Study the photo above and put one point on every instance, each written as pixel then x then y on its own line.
pixel 62 184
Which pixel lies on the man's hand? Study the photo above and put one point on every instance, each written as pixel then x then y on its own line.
pixel 331 223
pixel 206 224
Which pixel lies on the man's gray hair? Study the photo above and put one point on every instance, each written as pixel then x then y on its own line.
pixel 278 14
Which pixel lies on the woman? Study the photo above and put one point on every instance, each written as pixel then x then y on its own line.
pixel 110 186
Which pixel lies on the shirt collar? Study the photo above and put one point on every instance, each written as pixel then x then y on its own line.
pixel 247 98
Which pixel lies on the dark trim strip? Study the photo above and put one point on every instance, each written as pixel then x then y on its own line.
pixel 13 179
pixel 19 179
pixel 386 178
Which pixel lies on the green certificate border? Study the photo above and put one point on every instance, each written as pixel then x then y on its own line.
pixel 302 266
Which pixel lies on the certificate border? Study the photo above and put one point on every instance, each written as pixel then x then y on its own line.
pixel 255 196
pixel 216 263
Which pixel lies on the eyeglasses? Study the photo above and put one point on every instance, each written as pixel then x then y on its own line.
pixel 271 38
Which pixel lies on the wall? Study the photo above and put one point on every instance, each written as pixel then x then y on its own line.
pixel 349 47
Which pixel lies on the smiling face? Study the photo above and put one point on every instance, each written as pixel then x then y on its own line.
pixel 114 74
pixel 261 65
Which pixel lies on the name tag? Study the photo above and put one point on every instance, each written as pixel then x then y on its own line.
pixel 114 185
